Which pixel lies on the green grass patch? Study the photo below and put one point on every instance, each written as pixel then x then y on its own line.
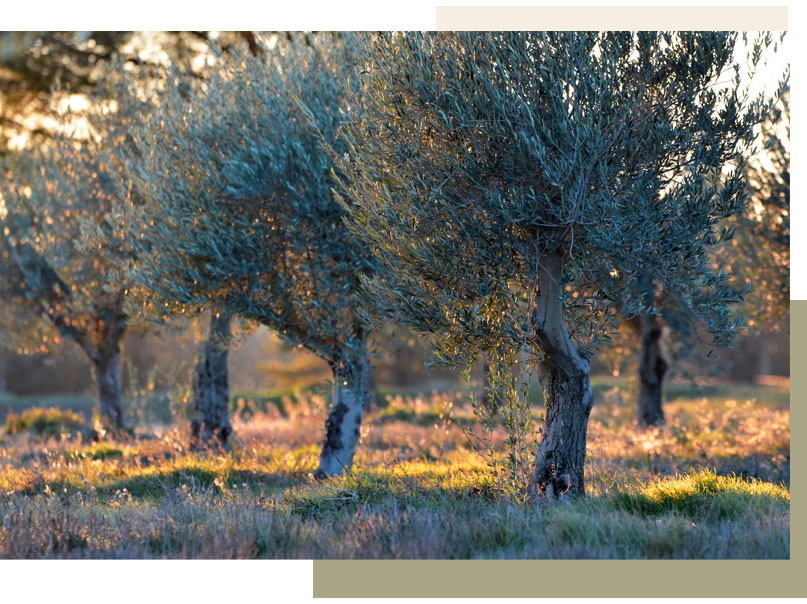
pixel 415 492
pixel 151 484
pixel 44 422
pixel 704 496
pixel 12 403
pixel 101 451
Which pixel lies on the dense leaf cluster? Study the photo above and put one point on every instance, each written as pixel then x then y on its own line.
pixel 55 197
pixel 471 156
pixel 760 251
pixel 232 200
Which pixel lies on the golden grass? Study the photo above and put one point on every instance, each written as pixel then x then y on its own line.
pixel 712 483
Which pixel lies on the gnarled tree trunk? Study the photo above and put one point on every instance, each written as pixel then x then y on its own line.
pixel 564 374
pixel 652 368
pixel 351 394
pixel 211 390
pixel 107 377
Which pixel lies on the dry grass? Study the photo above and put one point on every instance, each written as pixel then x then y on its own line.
pixel 713 483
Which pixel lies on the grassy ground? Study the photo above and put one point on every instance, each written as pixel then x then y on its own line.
pixel 713 483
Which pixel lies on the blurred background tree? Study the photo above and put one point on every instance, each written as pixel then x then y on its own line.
pixel 31 63
pixel 82 62
pixel 233 208
pixel 55 288
pixel 760 252
pixel 759 255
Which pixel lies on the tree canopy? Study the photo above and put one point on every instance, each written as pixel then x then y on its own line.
pixel 232 203
pixel 61 257
pixel 514 183
pixel 482 153
pixel 760 251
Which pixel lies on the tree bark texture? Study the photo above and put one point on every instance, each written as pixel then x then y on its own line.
pixel 369 389
pixel 351 395
pixel 211 390
pixel 652 369
pixel 3 365
pixel 564 375
pixel 107 377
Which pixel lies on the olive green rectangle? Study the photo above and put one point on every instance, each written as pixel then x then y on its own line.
pixel 557 578
pixel 598 578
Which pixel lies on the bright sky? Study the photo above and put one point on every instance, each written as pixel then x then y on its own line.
pixel 775 64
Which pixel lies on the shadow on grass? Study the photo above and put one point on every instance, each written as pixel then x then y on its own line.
pixel 154 484
pixel 410 416
pixel 427 490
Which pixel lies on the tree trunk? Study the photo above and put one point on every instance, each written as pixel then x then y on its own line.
pixel 350 396
pixel 107 378
pixel 564 375
pixel 652 368
pixel 3 364
pixel 211 391
pixel 369 389
pixel 764 361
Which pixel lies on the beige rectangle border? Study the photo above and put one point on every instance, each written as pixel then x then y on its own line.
pixel 602 578
pixel 633 18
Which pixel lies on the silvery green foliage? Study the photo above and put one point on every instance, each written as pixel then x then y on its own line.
pixel 760 251
pixel 232 203
pixel 471 156
pixel 60 255
pixel 504 406
pixel 755 246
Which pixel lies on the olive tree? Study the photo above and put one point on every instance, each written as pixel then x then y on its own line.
pixel 760 251
pixel 59 285
pixel 211 387
pixel 758 254
pixel 233 208
pixel 641 335
pixel 92 63
pixel 519 186
pixel 211 384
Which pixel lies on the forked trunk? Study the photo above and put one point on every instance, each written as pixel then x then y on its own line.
pixel 652 368
pixel 107 378
pixel 342 428
pixel 564 375
pixel 211 390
